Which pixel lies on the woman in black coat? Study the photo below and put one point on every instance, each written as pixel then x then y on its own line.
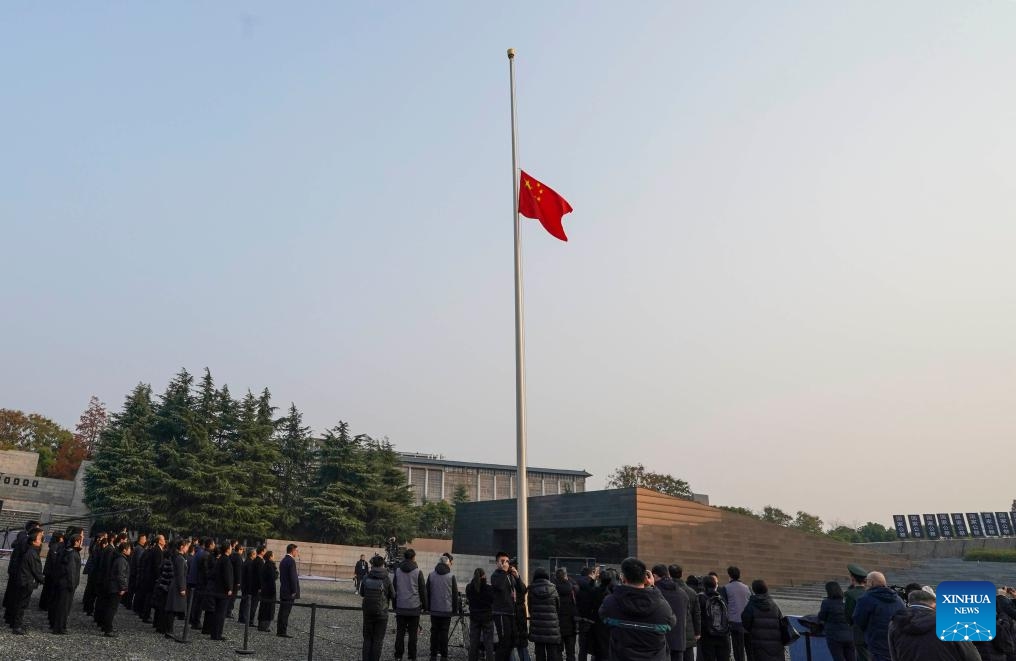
pixel 269 575
pixel 761 620
pixel 838 633
pixel 544 607
pixel 567 590
pixel 599 633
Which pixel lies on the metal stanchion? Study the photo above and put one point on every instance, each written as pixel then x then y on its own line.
pixel 246 630
pixel 807 644
pixel 310 645
pixel 186 618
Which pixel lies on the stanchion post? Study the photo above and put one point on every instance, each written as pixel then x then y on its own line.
pixel 246 631
pixel 310 645
pixel 186 616
pixel 807 645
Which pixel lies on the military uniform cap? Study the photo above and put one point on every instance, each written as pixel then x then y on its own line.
pixel 857 572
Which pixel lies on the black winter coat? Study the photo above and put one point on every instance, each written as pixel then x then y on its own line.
pixel 567 591
pixel 176 602
pixel 151 566
pixel 639 620
pixel 912 637
pixel 224 581
pixel 761 620
pixel 237 560
pixel 833 615
pixel 30 574
pixel 599 633
pixel 481 600
pixel 544 606
pixel 253 569
pixel 502 582
pixel 676 596
pixel 69 575
pixel 269 575
pixel 118 578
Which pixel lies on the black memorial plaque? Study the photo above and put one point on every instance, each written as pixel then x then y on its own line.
pixel 900 522
pixel 959 525
pixel 1004 524
pixel 990 529
pixel 930 526
pixel 974 521
pixel 945 526
pixel 915 526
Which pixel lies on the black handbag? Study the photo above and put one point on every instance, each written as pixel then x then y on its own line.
pixel 788 634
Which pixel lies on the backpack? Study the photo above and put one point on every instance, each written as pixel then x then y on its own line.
pixel 715 621
pixel 373 596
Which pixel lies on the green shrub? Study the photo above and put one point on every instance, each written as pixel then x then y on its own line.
pixel 991 555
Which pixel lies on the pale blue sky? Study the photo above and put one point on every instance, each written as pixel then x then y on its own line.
pixel 791 271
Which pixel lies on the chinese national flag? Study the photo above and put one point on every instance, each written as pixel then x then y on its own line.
pixel 540 202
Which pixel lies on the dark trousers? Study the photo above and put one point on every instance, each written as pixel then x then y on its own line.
pixel 108 603
pixel 404 623
pixel 861 649
pixel 59 609
pixel 481 630
pixel 266 612
pixel 714 648
pixel 737 641
pixel 841 651
pixel 568 647
pixel 88 600
pixel 505 626
pixel 374 637
pixel 140 599
pixel 548 652
pixel 245 614
pixel 164 621
pixel 676 655
pixel 219 617
pixel 439 635
pixel 282 624
pixel 19 603
pixel 232 602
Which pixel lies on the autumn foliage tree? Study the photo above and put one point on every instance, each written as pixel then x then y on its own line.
pixel 629 476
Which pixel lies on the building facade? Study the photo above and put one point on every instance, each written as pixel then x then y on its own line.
pixel 24 497
pixel 433 478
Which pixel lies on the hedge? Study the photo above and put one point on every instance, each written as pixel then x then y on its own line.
pixel 991 555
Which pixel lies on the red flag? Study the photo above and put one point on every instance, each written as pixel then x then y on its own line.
pixel 540 202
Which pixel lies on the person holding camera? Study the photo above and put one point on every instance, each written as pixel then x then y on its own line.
pixel 638 616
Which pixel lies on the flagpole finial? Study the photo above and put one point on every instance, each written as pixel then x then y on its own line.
pixel 511 53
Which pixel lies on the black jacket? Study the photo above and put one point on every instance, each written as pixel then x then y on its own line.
pixel 912 637
pixel 567 593
pixel 70 570
pixel 503 582
pixel 151 566
pixel 253 569
pixel 678 599
pixel 833 615
pixel 237 560
pixel 30 569
pixel 118 578
pixel 761 619
pixel 224 581
pixel 269 575
pixel 544 605
pixel 481 601
pixel 639 620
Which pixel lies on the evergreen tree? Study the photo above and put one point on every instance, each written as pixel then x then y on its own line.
pixel 122 471
pixel 387 500
pixel 337 506
pixel 293 471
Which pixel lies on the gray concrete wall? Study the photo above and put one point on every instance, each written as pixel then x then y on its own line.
pixel 43 490
pixel 942 548
pixel 19 462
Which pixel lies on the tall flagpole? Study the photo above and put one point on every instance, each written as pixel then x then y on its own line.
pixel 522 492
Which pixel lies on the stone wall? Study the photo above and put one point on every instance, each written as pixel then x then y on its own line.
pixel 19 462
pixel 941 548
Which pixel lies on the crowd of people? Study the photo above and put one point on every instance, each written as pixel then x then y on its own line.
pixel 634 613
pixel 160 582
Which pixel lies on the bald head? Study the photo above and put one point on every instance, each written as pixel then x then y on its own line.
pixel 876 579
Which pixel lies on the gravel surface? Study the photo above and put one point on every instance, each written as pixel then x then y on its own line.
pixel 337 634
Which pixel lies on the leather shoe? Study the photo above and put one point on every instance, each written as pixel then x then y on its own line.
pixel 284 635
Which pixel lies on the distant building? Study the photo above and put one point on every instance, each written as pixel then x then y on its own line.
pixel 432 478
pixel 24 497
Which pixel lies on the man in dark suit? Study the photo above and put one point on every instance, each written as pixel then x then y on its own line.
pixel 289 589
pixel 28 578
pixel 67 577
pixel 236 557
pixel 114 586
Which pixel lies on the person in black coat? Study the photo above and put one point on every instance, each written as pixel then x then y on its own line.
pixel 567 592
pixel 67 576
pixel 678 600
pixel 913 635
pixel 246 585
pixel 266 596
pixel 56 542
pixel 224 585
pixel 599 632
pixel 207 579
pixel 103 566
pixel 638 616
pixel 151 567
pixel 28 577
pixel 544 611
pixel 237 559
pixel 95 550
pixel 18 550
pixel 115 586
pixel 480 596
pixel 137 554
pixel 255 569
pixel 761 620
pixel 838 633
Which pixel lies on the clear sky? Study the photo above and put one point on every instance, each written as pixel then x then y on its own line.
pixel 791 271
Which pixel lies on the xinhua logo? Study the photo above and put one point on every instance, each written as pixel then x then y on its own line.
pixel 965 610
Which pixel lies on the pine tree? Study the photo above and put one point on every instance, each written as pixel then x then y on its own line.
pixel 387 500
pixel 337 503
pixel 293 471
pixel 122 472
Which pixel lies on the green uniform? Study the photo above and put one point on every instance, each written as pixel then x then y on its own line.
pixel 850 598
